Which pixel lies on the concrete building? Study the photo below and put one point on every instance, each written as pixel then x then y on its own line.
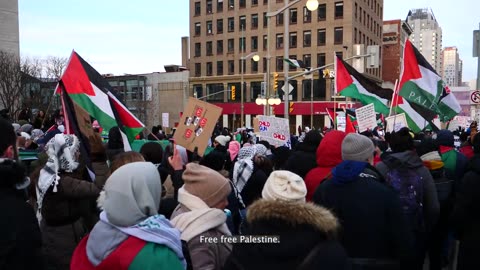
pixel 451 67
pixel 395 33
pixel 153 95
pixel 426 36
pixel 224 31
pixel 463 96
pixel 9 33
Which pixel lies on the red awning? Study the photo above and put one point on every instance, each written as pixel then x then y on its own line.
pixel 299 108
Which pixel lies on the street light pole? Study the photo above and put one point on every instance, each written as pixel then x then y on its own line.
pixel 242 63
pixel 286 45
pixel 311 101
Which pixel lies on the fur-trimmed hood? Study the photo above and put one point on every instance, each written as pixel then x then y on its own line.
pixel 294 215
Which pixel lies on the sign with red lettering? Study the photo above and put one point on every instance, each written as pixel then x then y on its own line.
pixel 273 130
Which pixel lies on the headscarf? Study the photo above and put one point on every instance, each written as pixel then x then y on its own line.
pixel 260 149
pixel 243 168
pixel 61 151
pixel 16 127
pixel 36 134
pixel 182 151
pixel 233 149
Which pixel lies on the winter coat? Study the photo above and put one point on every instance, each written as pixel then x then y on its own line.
pixel 466 216
pixel 21 241
pixel 205 256
pixel 431 205
pixel 373 225
pixel 252 190
pixel 455 162
pixel 329 155
pixel 306 233
pixel 467 150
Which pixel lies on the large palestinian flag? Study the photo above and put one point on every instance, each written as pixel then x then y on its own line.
pixel 350 83
pixel 420 84
pixel 418 117
pixel 89 90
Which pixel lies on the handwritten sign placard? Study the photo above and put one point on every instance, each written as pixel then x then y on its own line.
pixel 196 125
pixel 165 120
pixel 274 130
pixel 396 122
pixel 366 117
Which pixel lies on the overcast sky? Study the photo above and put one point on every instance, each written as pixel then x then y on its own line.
pixel 144 35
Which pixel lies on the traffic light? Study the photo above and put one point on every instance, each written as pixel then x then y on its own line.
pixel 233 92
pixel 290 107
pixel 275 81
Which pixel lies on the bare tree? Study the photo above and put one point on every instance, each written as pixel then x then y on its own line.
pixel 54 66
pixel 10 82
pixel 32 93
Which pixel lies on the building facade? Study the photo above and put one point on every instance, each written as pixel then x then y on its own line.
pixel 426 36
pixel 451 67
pixel 9 32
pixel 224 31
pixel 395 34
pixel 463 96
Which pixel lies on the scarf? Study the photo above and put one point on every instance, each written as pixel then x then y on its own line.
pixel 432 160
pixel 199 219
pixel 242 171
pixel 233 149
pixel 61 151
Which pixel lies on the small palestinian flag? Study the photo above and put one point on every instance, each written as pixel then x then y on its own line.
pixel 295 63
pixel 350 83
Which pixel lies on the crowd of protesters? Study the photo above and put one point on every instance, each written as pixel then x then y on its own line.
pixel 331 200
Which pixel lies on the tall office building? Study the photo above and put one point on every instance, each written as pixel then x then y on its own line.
pixel 451 67
pixel 9 33
pixel 426 36
pixel 224 31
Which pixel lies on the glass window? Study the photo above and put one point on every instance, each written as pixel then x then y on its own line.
pixel 293 16
pixel 219 26
pixel 292 40
pixel 254 42
pixel 338 36
pixel 279 63
pixel 254 2
pixel 219 5
pixel 321 60
pixel 264 62
pixel 215 92
pixel 198 49
pixel 280 19
pixel 241 44
pixel 254 65
pixel 242 22
pixel 307 15
pixel 197 88
pixel 198 70
pixel 307 60
pixel 231 24
pixel 322 12
pixel 338 10
pixel 321 37
pixel 265 20
pixel 198 29
pixel 209 7
pixel 231 67
pixel 265 42
pixel 198 9
pixel 231 4
pixel 290 67
pixel 219 68
pixel 209 46
pixel 209 28
pixel 242 3
pixel 279 43
pixel 254 21
pixel 340 54
pixel 307 38
pixel 230 45
pixel 209 69
pixel 255 89
pixel 219 46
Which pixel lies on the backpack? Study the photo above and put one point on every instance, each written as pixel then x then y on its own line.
pixel 409 186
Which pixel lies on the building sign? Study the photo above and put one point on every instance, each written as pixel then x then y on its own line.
pixel 475 97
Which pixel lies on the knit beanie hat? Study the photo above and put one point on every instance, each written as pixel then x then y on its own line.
pixel 205 183
pixel 222 140
pixel 285 186
pixel 445 137
pixel 357 147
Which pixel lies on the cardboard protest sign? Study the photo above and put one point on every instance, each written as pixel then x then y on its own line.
pixel 165 120
pixel 274 130
pixel 396 122
pixel 366 117
pixel 196 125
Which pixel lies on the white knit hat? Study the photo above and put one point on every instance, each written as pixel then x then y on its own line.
pixel 223 140
pixel 285 186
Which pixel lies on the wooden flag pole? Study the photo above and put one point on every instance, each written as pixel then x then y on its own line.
pixel 394 96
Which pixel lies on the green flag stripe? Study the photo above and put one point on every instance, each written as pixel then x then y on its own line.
pixel 353 92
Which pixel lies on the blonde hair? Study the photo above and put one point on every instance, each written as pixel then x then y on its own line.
pixel 125 158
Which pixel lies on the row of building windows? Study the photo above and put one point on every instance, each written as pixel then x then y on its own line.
pixel 321 40
pixel 254 19
pixel 362 16
pixel 254 66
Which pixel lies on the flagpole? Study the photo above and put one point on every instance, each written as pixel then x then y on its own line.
pixel 393 97
pixel 334 90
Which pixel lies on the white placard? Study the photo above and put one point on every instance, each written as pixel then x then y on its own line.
pixel 274 130
pixel 396 122
pixel 165 119
pixel 366 118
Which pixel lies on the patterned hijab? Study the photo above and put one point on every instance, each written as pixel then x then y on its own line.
pixel 61 151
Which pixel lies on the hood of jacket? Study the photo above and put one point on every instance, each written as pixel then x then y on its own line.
pixel 408 158
pixel 102 241
pixel 329 152
pixel 348 171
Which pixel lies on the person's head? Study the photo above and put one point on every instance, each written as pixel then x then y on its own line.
pixel 12 172
pixel 221 140
pixel 152 152
pixel 8 140
pixel 132 194
pixel 155 130
pixel 286 186
pixel 233 149
pixel 206 184
pixel 214 160
pixel 445 138
pixel 260 149
pixel 401 140
pixel 64 151
pixel 115 140
pixel 356 147
pixel 41 114
pixel 426 146
pixel 125 158
pixel 246 152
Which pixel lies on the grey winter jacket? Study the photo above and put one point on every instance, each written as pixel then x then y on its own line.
pixel 430 199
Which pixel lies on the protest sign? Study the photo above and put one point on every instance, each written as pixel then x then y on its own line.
pixel 165 120
pixel 366 118
pixel 396 122
pixel 273 130
pixel 196 125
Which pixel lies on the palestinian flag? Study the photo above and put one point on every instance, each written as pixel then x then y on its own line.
pixel 420 84
pixel 88 89
pixel 295 63
pixel 350 83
